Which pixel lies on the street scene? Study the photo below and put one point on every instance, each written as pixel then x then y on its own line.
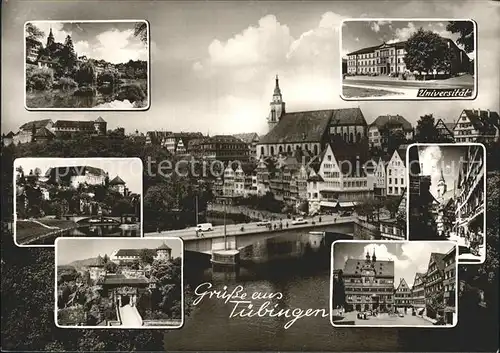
pixel 385 59
pixel 447 197
pixel 100 65
pixel 394 283
pixel 119 283
pixel 74 197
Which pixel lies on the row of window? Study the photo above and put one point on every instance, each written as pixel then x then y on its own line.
pixel 396 181
pixel 397 190
pixel 377 53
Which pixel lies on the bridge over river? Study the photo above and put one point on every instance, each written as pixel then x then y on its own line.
pixel 235 238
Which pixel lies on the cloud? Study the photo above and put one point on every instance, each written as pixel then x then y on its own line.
pixel 375 26
pixel 114 46
pixel 431 160
pixel 402 34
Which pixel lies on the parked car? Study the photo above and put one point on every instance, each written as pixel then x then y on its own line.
pixel 264 223
pixel 401 315
pixel 299 220
pixel 204 227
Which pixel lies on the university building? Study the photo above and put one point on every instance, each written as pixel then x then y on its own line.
pixel 386 59
pixel 369 284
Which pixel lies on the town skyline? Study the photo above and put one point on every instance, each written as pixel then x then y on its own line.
pixel 221 80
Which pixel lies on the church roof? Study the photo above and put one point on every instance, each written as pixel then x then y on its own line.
pixel 383 268
pixel 297 127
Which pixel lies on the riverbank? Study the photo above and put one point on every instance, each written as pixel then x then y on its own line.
pixel 29 229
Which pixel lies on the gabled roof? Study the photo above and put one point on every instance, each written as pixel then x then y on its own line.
pixel 482 120
pixel 10 134
pixel 36 123
pixel 117 181
pixel 248 137
pixel 223 139
pixel 347 116
pixel 403 284
pixel 164 247
pixel 132 252
pixel 385 121
pixel 100 120
pixel 44 132
pixel 438 259
pixel 383 268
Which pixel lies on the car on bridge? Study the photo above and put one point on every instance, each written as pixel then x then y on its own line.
pixel 264 223
pixel 299 220
pixel 204 227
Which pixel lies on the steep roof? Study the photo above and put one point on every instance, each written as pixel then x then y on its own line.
pixel 132 252
pixel 384 121
pixel 83 125
pixel 403 284
pixel 438 259
pixel 482 120
pixel 10 134
pixel 117 181
pixel 36 123
pixel 308 126
pixel 164 247
pixel 100 120
pixel 347 116
pixel 223 139
pixel 382 268
pixel 248 137
pixel 44 132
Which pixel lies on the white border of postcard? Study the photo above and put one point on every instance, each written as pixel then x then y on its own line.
pixel 84 160
pixel 91 109
pixel 455 316
pixel 401 97
pixel 461 144
pixel 122 327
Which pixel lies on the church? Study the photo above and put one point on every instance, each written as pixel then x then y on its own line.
pixel 309 131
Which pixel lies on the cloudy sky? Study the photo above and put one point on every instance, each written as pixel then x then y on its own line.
pixel 129 169
pixel 111 41
pixel 70 249
pixel 409 257
pixel 361 34
pixel 213 63
pixel 446 158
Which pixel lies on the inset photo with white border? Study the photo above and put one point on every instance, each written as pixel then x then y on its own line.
pixel 405 59
pixel 447 198
pixel 76 197
pixel 119 283
pixel 87 65
pixel 379 283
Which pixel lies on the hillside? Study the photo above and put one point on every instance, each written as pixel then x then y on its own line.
pixel 80 264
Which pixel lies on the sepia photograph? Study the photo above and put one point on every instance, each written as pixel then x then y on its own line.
pixel 394 284
pixel 251 156
pixel 119 283
pixel 447 197
pixel 408 59
pixel 84 65
pixel 76 197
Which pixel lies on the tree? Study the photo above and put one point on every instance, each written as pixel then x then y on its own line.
pixel 33 31
pixel 465 29
pixel 426 51
pixel 68 56
pixel 111 267
pixel 141 31
pixel 392 205
pixel 426 130
pixel 86 74
pixel 146 257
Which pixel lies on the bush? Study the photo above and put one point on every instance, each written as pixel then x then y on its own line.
pixel 85 91
pixel 40 79
pixel 67 82
pixel 106 77
pixel 132 92
pixel 86 74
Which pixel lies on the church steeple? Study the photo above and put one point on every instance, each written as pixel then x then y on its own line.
pixel 367 256
pixel 441 186
pixel 374 258
pixel 50 38
pixel 277 107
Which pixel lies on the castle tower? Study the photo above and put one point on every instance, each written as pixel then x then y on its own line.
pixel 441 187
pixel 277 107
pixel 50 38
